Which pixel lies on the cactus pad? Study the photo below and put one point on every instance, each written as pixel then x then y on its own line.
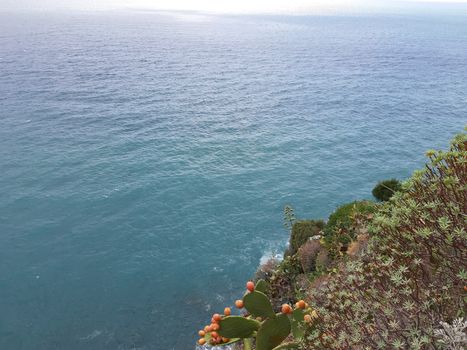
pixel 237 327
pixel 261 286
pixel 297 323
pixel 258 304
pixel 272 332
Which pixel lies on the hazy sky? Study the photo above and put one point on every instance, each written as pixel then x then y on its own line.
pixel 228 6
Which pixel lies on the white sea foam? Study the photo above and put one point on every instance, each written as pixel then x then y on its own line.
pixel 94 334
pixel 271 254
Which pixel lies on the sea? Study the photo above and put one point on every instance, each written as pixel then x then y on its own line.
pixel 146 157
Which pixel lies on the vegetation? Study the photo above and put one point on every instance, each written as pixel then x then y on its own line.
pixel 412 275
pixel 345 224
pixel 384 190
pixel 281 284
pixel 452 336
pixel 260 323
pixel 302 231
pixel 308 254
pixel 376 276
pixel 289 217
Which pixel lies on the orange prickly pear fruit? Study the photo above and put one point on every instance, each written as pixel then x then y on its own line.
pixel 250 286
pixel 225 340
pixel 239 304
pixel 215 327
pixel 307 318
pixel 202 341
pixel 201 333
pixel 216 318
pixel 301 304
pixel 214 335
pixel 286 309
pixel 227 311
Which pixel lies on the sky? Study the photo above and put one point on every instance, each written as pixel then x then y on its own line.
pixel 216 6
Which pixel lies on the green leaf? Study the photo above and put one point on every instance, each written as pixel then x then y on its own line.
pixel 237 327
pixel 297 323
pixel 261 286
pixel 258 304
pixel 273 332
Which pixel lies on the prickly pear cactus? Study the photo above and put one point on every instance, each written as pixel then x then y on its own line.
pixel 260 322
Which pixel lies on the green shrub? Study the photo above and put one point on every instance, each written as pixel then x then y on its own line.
pixel 290 266
pixel 344 224
pixel 282 282
pixel 384 190
pixel 302 231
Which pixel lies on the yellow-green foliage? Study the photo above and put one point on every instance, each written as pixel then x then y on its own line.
pixel 414 272
pixel 344 223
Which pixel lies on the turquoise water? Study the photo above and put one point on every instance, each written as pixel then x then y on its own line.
pixel 145 158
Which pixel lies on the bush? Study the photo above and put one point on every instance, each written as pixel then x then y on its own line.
pixel 323 261
pixel 302 231
pixel 384 190
pixel 358 246
pixel 394 294
pixel 307 254
pixel 266 270
pixel 342 226
pixel 282 282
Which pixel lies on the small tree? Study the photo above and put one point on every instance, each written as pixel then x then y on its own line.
pixel 384 190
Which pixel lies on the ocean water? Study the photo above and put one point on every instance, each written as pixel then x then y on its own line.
pixel 146 158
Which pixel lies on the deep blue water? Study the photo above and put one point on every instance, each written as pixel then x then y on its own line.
pixel 145 159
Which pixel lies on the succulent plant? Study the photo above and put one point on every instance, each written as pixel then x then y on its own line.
pixel 260 322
